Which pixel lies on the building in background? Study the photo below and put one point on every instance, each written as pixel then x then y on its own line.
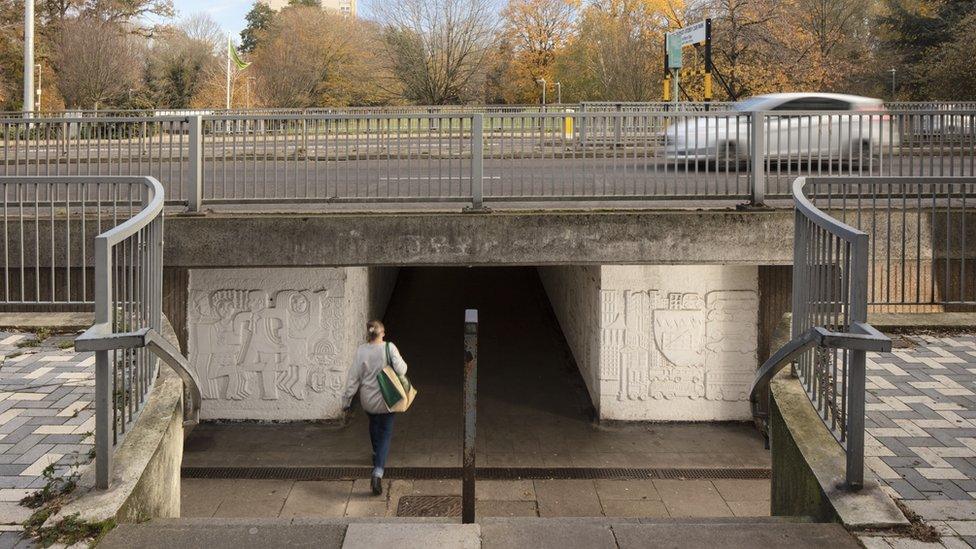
pixel 345 7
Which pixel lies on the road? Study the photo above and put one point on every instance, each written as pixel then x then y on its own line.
pixel 422 171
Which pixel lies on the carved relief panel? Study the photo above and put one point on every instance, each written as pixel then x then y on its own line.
pixel 676 343
pixel 267 344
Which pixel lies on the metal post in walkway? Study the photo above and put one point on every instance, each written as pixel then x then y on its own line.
pixel 469 403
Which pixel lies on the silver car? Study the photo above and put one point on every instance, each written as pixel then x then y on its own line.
pixel 797 127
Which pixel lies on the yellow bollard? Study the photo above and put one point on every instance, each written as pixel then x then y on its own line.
pixel 568 127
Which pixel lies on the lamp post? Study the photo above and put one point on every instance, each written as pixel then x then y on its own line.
pixel 37 68
pixel 893 71
pixel 28 57
pixel 559 93
pixel 543 82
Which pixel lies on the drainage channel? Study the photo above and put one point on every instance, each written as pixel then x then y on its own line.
pixel 484 473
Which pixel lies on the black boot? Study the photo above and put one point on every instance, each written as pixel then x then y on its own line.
pixel 377 485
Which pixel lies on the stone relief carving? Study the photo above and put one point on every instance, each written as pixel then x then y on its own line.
pixel 658 345
pixel 258 345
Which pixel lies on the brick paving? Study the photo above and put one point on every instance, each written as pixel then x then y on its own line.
pixel 46 417
pixel 921 433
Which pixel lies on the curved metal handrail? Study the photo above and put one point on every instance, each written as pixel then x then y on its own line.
pixel 139 302
pixel 100 338
pixel 145 216
pixel 821 218
pixel 866 338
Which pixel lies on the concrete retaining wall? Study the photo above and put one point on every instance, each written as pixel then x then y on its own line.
pixel 664 342
pixel 274 344
pixel 574 293
pixel 808 467
pixel 146 473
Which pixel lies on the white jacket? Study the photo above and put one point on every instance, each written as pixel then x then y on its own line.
pixel 370 360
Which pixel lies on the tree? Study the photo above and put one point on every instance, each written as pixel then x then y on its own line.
pixel 617 52
pixel 258 20
pixel 310 57
pixel 828 42
pixel 97 62
pixel 913 31
pixel 437 49
pixel 948 72
pixel 535 31
pixel 180 59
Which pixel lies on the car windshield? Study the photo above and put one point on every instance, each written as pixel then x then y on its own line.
pixel 751 104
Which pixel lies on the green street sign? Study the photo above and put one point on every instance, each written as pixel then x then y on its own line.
pixel 674 44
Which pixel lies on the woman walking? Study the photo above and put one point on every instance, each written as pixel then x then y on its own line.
pixel 371 358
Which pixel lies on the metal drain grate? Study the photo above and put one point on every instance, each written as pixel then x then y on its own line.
pixel 484 473
pixel 429 506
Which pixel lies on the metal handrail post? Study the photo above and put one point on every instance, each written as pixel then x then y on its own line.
pixel 195 195
pixel 477 162
pixel 618 128
pixel 757 166
pixel 104 380
pixel 469 404
pixel 856 375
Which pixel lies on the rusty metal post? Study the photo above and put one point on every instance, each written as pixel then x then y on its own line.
pixel 469 403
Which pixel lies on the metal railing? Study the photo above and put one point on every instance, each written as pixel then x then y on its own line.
pixel 524 155
pixel 49 224
pixel 97 242
pixel 830 333
pixel 100 146
pixel 922 231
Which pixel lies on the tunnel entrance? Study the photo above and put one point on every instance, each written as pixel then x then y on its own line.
pixel 534 406
pixel 529 389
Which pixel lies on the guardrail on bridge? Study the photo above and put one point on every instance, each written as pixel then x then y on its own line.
pixel 479 158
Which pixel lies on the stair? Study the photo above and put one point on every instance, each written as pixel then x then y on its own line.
pixel 493 533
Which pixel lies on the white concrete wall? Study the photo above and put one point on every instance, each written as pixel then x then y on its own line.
pixel 666 342
pixel 574 293
pixel 275 344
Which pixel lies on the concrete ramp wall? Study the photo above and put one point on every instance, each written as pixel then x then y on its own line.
pixel 661 342
pixel 574 293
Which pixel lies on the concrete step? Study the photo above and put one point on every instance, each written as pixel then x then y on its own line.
pixel 561 533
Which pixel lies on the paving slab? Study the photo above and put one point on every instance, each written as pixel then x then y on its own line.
pixel 692 498
pixel 732 535
pixel 504 490
pixel 219 536
pixel 627 489
pixel 635 508
pixel 496 508
pixel 568 498
pixel 412 536
pixel 546 534
pixel 254 498
pixel 944 509
pixel 317 499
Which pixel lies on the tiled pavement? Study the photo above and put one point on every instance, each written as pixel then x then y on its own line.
pixel 220 498
pixel 46 389
pixel 921 432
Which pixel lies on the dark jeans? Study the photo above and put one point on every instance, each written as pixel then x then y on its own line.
pixel 380 433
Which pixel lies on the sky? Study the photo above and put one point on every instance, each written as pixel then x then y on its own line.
pixel 229 14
